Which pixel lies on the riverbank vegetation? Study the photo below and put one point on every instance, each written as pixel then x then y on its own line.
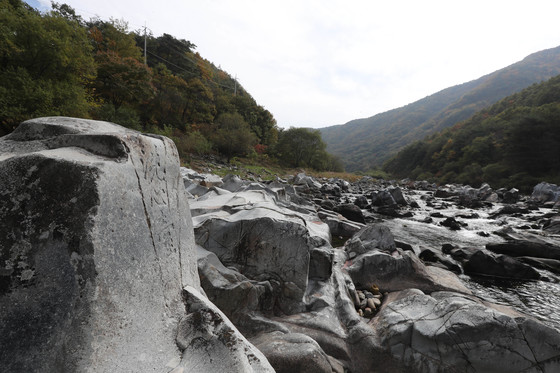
pixel 56 63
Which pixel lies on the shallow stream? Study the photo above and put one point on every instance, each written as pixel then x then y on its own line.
pixel 539 299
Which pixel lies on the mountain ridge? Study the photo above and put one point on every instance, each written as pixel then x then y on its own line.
pixel 512 143
pixel 367 143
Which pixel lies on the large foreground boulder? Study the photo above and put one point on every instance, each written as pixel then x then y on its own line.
pixel 96 245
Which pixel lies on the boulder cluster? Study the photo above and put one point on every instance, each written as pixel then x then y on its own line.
pixel 113 258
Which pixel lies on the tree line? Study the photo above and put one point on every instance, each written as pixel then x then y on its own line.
pixel 56 63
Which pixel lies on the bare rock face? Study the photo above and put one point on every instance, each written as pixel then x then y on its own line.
pixel 96 245
pixel 211 343
pixel 379 262
pixel 265 242
pixel 450 332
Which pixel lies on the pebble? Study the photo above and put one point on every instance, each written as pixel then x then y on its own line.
pixel 367 302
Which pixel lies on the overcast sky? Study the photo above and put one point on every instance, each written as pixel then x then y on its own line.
pixel 321 63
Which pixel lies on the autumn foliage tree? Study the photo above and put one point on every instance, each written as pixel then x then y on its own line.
pixel 55 63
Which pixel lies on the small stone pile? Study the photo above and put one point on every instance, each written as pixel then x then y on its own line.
pixel 368 301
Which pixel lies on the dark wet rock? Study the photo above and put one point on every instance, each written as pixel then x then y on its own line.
pixel 404 246
pixel 452 224
pixel 511 196
pixel 551 265
pixel 488 264
pixel 437 214
pixel 320 263
pixel 510 210
pixel 434 257
pixel 427 220
pixel 526 248
pixel 328 204
pixel 472 215
pixel 331 189
pixel 391 211
pixel 398 196
pixel 343 184
pixel 447 332
pixel 441 193
pixel 361 202
pixel 471 201
pixel 460 254
pixel 552 226
pixel 351 212
pixel 382 198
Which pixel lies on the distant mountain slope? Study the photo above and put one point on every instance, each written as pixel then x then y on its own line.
pixel 366 143
pixel 513 143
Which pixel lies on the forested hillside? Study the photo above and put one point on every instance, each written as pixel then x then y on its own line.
pixel 513 143
pixel 56 63
pixel 364 144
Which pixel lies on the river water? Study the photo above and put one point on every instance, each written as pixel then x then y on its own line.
pixel 539 299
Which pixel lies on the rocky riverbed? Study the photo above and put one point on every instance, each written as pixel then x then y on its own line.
pixel 453 267
pixel 113 258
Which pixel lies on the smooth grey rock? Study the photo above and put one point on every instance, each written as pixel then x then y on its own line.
pixel 207 180
pixel 398 271
pixel 242 229
pixel 233 183
pixel 211 343
pixel 233 293
pixel 372 236
pixel 303 179
pixel 546 192
pixel 338 225
pixel 453 332
pixel 96 244
pixel 195 189
pixel 293 352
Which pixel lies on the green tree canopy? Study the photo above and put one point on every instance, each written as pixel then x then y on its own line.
pixel 232 136
pixel 302 147
pixel 45 65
